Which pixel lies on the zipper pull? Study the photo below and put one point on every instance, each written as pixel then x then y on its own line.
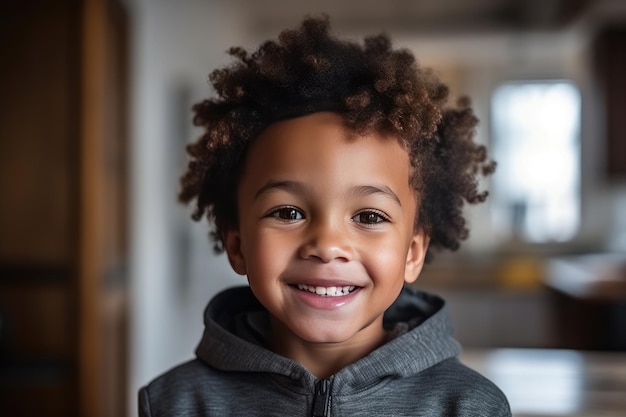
pixel 322 398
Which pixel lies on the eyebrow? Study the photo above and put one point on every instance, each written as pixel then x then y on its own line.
pixel 299 188
pixel 365 190
pixel 290 186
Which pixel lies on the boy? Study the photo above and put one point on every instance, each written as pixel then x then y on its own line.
pixel 329 169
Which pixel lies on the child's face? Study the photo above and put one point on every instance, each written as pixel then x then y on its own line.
pixel 321 213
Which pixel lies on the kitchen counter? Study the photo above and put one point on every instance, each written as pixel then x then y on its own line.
pixel 544 382
pixel 599 277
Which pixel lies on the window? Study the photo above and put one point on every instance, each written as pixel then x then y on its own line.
pixel 536 188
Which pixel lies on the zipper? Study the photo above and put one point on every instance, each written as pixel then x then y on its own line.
pixel 322 397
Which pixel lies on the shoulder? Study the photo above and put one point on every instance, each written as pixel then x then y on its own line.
pixel 465 391
pixel 447 388
pixel 195 389
pixel 176 392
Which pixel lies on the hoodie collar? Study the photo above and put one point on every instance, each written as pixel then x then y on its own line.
pixel 236 323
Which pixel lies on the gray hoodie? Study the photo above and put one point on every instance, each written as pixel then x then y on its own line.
pixel 416 373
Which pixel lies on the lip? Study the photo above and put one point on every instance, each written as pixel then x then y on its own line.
pixel 327 277
pixel 322 302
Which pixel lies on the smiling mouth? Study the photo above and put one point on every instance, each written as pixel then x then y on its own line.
pixel 328 291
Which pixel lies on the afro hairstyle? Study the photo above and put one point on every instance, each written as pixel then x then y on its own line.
pixel 374 87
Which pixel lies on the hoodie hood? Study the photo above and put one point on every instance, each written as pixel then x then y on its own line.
pixel 421 336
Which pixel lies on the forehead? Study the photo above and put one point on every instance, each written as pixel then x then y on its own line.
pixel 318 149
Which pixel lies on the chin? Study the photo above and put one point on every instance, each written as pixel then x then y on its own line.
pixel 335 336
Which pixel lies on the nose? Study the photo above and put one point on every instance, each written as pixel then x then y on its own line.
pixel 326 242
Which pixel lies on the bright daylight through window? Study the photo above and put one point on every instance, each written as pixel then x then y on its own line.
pixel 536 141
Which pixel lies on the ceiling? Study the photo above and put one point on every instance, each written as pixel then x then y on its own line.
pixel 429 16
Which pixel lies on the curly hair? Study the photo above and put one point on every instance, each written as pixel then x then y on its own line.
pixel 374 87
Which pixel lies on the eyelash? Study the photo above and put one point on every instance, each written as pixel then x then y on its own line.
pixel 287 214
pixel 380 217
pixel 277 212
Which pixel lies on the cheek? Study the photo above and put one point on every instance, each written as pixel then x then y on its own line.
pixel 267 255
pixel 389 265
pixel 388 258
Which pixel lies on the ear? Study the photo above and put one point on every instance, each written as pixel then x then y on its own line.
pixel 232 244
pixel 415 256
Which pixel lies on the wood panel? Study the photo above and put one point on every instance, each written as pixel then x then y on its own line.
pixel 63 168
pixel 102 289
pixel 38 80
pixel 49 312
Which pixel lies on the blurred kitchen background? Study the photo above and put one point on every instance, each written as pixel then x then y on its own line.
pixel 103 276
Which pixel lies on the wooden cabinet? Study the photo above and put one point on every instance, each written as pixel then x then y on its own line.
pixel 610 78
pixel 62 208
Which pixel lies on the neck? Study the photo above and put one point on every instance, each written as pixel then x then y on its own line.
pixel 325 359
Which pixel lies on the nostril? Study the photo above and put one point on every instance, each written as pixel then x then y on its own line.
pixel 326 242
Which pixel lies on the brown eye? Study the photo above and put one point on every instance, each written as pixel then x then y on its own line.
pixel 287 213
pixel 369 217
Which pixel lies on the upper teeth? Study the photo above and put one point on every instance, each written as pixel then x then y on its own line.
pixel 330 291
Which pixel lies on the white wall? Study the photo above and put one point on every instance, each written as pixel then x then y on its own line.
pixel 173 269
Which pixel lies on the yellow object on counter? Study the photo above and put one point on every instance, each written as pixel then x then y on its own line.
pixel 520 272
